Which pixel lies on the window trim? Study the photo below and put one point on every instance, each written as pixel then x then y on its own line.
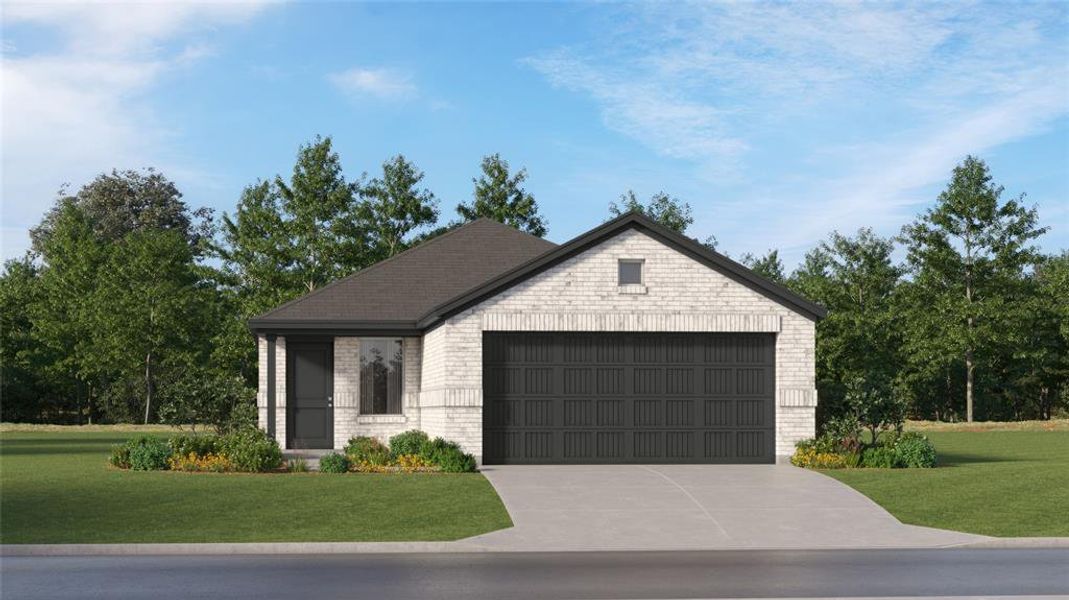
pixel 360 378
pixel 641 262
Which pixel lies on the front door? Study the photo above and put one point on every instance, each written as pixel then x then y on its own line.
pixel 310 395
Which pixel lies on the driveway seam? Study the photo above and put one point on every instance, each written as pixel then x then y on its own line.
pixel 692 499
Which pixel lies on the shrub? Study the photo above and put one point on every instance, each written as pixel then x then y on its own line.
pixel 876 406
pixel 408 442
pixel 202 445
pixel 333 463
pixel 879 457
pixel 251 450
pixel 447 456
pixel 364 449
pixel 410 463
pixel 212 463
pixel 913 450
pixel 366 467
pixel 809 458
pixel 207 396
pixel 120 456
pixel 148 453
pixel 297 465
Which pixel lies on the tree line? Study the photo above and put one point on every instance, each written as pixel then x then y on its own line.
pixel 131 306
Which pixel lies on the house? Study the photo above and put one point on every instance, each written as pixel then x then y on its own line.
pixel 628 344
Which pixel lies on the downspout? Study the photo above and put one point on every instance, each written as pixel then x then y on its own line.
pixel 271 385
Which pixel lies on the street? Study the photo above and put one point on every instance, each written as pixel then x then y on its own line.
pixel 816 573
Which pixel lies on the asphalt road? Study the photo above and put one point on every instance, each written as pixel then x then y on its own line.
pixel 818 573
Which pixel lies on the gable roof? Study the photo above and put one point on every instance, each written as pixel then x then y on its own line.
pixel 426 284
pixel 632 220
pixel 392 295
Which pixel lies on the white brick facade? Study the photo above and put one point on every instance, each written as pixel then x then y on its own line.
pixel 581 294
pixel 443 370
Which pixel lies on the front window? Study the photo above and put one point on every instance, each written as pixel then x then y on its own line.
pixel 380 376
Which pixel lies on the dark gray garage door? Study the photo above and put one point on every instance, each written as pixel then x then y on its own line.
pixel 628 398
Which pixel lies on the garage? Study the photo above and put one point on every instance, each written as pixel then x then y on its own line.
pixel 611 397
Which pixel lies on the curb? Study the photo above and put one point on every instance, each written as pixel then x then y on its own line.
pixel 1021 542
pixel 299 548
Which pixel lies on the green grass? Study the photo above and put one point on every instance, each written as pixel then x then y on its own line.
pixel 999 483
pixel 55 487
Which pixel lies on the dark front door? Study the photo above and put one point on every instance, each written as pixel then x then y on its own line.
pixel 628 398
pixel 310 394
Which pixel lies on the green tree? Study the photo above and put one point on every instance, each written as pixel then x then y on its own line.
pixel 120 202
pixel 666 210
pixel 500 196
pixel 856 280
pixel 768 266
pixel 149 308
pixel 967 257
pixel 394 209
pixel 62 316
pixel 23 385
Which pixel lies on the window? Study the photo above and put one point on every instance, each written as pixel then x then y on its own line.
pixel 380 376
pixel 630 272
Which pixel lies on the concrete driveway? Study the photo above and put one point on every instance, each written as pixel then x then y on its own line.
pixel 690 507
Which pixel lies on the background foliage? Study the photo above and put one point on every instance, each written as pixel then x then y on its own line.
pixel 131 306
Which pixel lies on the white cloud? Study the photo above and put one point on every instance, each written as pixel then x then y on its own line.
pixel 382 83
pixel 78 108
pixel 859 107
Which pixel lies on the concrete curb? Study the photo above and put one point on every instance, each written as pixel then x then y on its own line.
pixel 1020 542
pixel 297 548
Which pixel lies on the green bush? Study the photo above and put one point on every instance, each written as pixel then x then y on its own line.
pixel 407 442
pixel 148 453
pixel 878 457
pixel 333 463
pixel 913 450
pixel 251 450
pixel 447 456
pixel 364 449
pixel 201 445
pixel 120 456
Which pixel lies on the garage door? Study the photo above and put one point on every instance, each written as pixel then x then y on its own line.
pixel 628 398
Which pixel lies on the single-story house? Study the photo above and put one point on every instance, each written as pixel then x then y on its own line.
pixel 629 344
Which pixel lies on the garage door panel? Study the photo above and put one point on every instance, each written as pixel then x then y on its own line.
pixel 578 381
pixel 578 412
pixel 629 398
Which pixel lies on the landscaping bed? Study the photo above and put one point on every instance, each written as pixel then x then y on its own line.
pixel 57 487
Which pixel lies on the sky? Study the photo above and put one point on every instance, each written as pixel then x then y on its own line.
pixel 777 122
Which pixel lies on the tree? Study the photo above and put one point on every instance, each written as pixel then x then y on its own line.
pixel 394 209
pixel 855 279
pixel 289 237
pixel 768 266
pixel 149 308
pixel 121 202
pixel 499 196
pixel 967 255
pixel 23 382
pixel 62 317
pixel 666 210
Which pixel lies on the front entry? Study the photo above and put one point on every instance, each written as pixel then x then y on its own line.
pixel 310 394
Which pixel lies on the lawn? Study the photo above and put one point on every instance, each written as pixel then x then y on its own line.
pixel 990 480
pixel 55 487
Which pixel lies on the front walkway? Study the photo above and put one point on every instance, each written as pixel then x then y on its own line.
pixel 691 507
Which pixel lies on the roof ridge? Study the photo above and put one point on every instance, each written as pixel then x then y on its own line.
pixel 372 267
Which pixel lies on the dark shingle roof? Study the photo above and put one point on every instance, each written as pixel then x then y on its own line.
pixel 400 290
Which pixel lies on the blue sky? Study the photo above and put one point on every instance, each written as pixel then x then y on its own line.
pixel 778 123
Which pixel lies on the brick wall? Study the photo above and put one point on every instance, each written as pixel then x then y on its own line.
pixel 581 294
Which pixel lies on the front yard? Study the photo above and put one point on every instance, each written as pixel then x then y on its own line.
pixel 56 487
pixel 1010 480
